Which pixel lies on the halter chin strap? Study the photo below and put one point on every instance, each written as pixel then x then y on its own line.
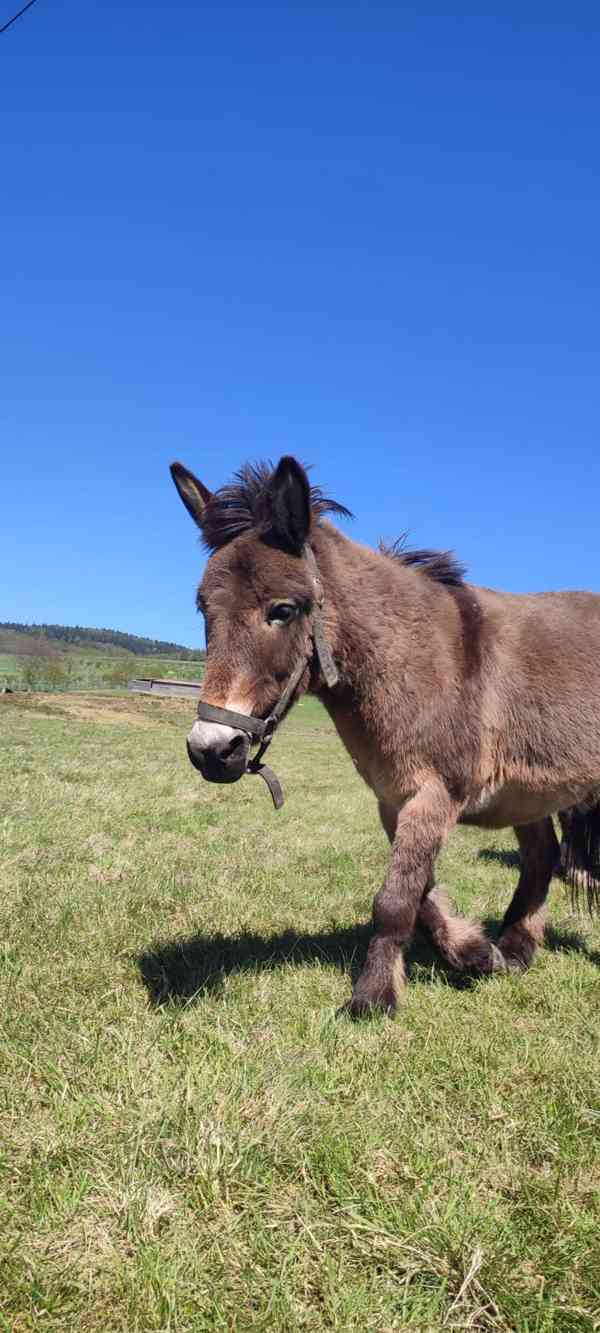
pixel 261 730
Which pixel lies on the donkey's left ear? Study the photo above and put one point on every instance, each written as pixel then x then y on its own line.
pixel 288 502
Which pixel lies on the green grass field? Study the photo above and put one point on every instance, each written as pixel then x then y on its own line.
pixel 190 1137
pixel 88 670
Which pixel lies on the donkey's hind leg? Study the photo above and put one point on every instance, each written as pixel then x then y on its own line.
pixel 459 940
pixel 523 925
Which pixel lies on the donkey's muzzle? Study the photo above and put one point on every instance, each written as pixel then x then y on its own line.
pixel 219 753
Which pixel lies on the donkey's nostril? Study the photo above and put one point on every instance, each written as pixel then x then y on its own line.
pixel 236 743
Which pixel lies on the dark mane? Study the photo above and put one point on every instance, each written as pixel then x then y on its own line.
pixel 442 566
pixel 240 505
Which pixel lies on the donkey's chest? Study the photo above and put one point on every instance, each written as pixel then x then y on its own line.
pixel 370 764
pixel 384 777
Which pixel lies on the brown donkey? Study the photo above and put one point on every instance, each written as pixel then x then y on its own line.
pixel 456 703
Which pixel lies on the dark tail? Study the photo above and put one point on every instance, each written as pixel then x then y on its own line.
pixel 580 853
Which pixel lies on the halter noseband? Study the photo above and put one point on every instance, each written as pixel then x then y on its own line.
pixel 261 730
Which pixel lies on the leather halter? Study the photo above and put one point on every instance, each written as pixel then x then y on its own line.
pixel 261 730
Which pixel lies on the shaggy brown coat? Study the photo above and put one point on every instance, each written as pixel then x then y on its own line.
pixel 455 703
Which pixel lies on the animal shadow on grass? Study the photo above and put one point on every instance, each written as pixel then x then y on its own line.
pixel 504 856
pixel 184 971
pixel 569 941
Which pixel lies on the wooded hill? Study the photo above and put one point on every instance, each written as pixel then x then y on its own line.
pixel 111 640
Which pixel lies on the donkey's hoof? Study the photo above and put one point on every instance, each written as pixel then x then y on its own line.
pixel 498 962
pixel 514 964
pixel 369 1006
pixel 517 950
pixel 483 959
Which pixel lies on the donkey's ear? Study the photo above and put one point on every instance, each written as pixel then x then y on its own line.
pixel 195 496
pixel 288 500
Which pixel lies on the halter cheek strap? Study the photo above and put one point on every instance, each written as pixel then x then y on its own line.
pixel 261 730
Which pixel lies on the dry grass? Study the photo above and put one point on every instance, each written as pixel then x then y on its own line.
pixel 190 1138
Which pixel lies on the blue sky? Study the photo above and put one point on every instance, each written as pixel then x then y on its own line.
pixel 365 234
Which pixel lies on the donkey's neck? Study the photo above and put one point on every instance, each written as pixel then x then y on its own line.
pixel 395 634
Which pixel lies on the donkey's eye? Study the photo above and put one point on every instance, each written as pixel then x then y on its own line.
pixel 281 613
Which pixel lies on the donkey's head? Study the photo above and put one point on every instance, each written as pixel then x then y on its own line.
pixel 257 596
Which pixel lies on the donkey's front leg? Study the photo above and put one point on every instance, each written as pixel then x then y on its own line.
pixel 423 824
pixel 461 941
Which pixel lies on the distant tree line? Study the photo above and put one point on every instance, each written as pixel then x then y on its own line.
pixel 113 638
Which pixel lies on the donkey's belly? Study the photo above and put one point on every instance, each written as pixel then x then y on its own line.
pixel 496 807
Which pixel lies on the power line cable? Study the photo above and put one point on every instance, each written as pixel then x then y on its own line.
pixel 16 16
